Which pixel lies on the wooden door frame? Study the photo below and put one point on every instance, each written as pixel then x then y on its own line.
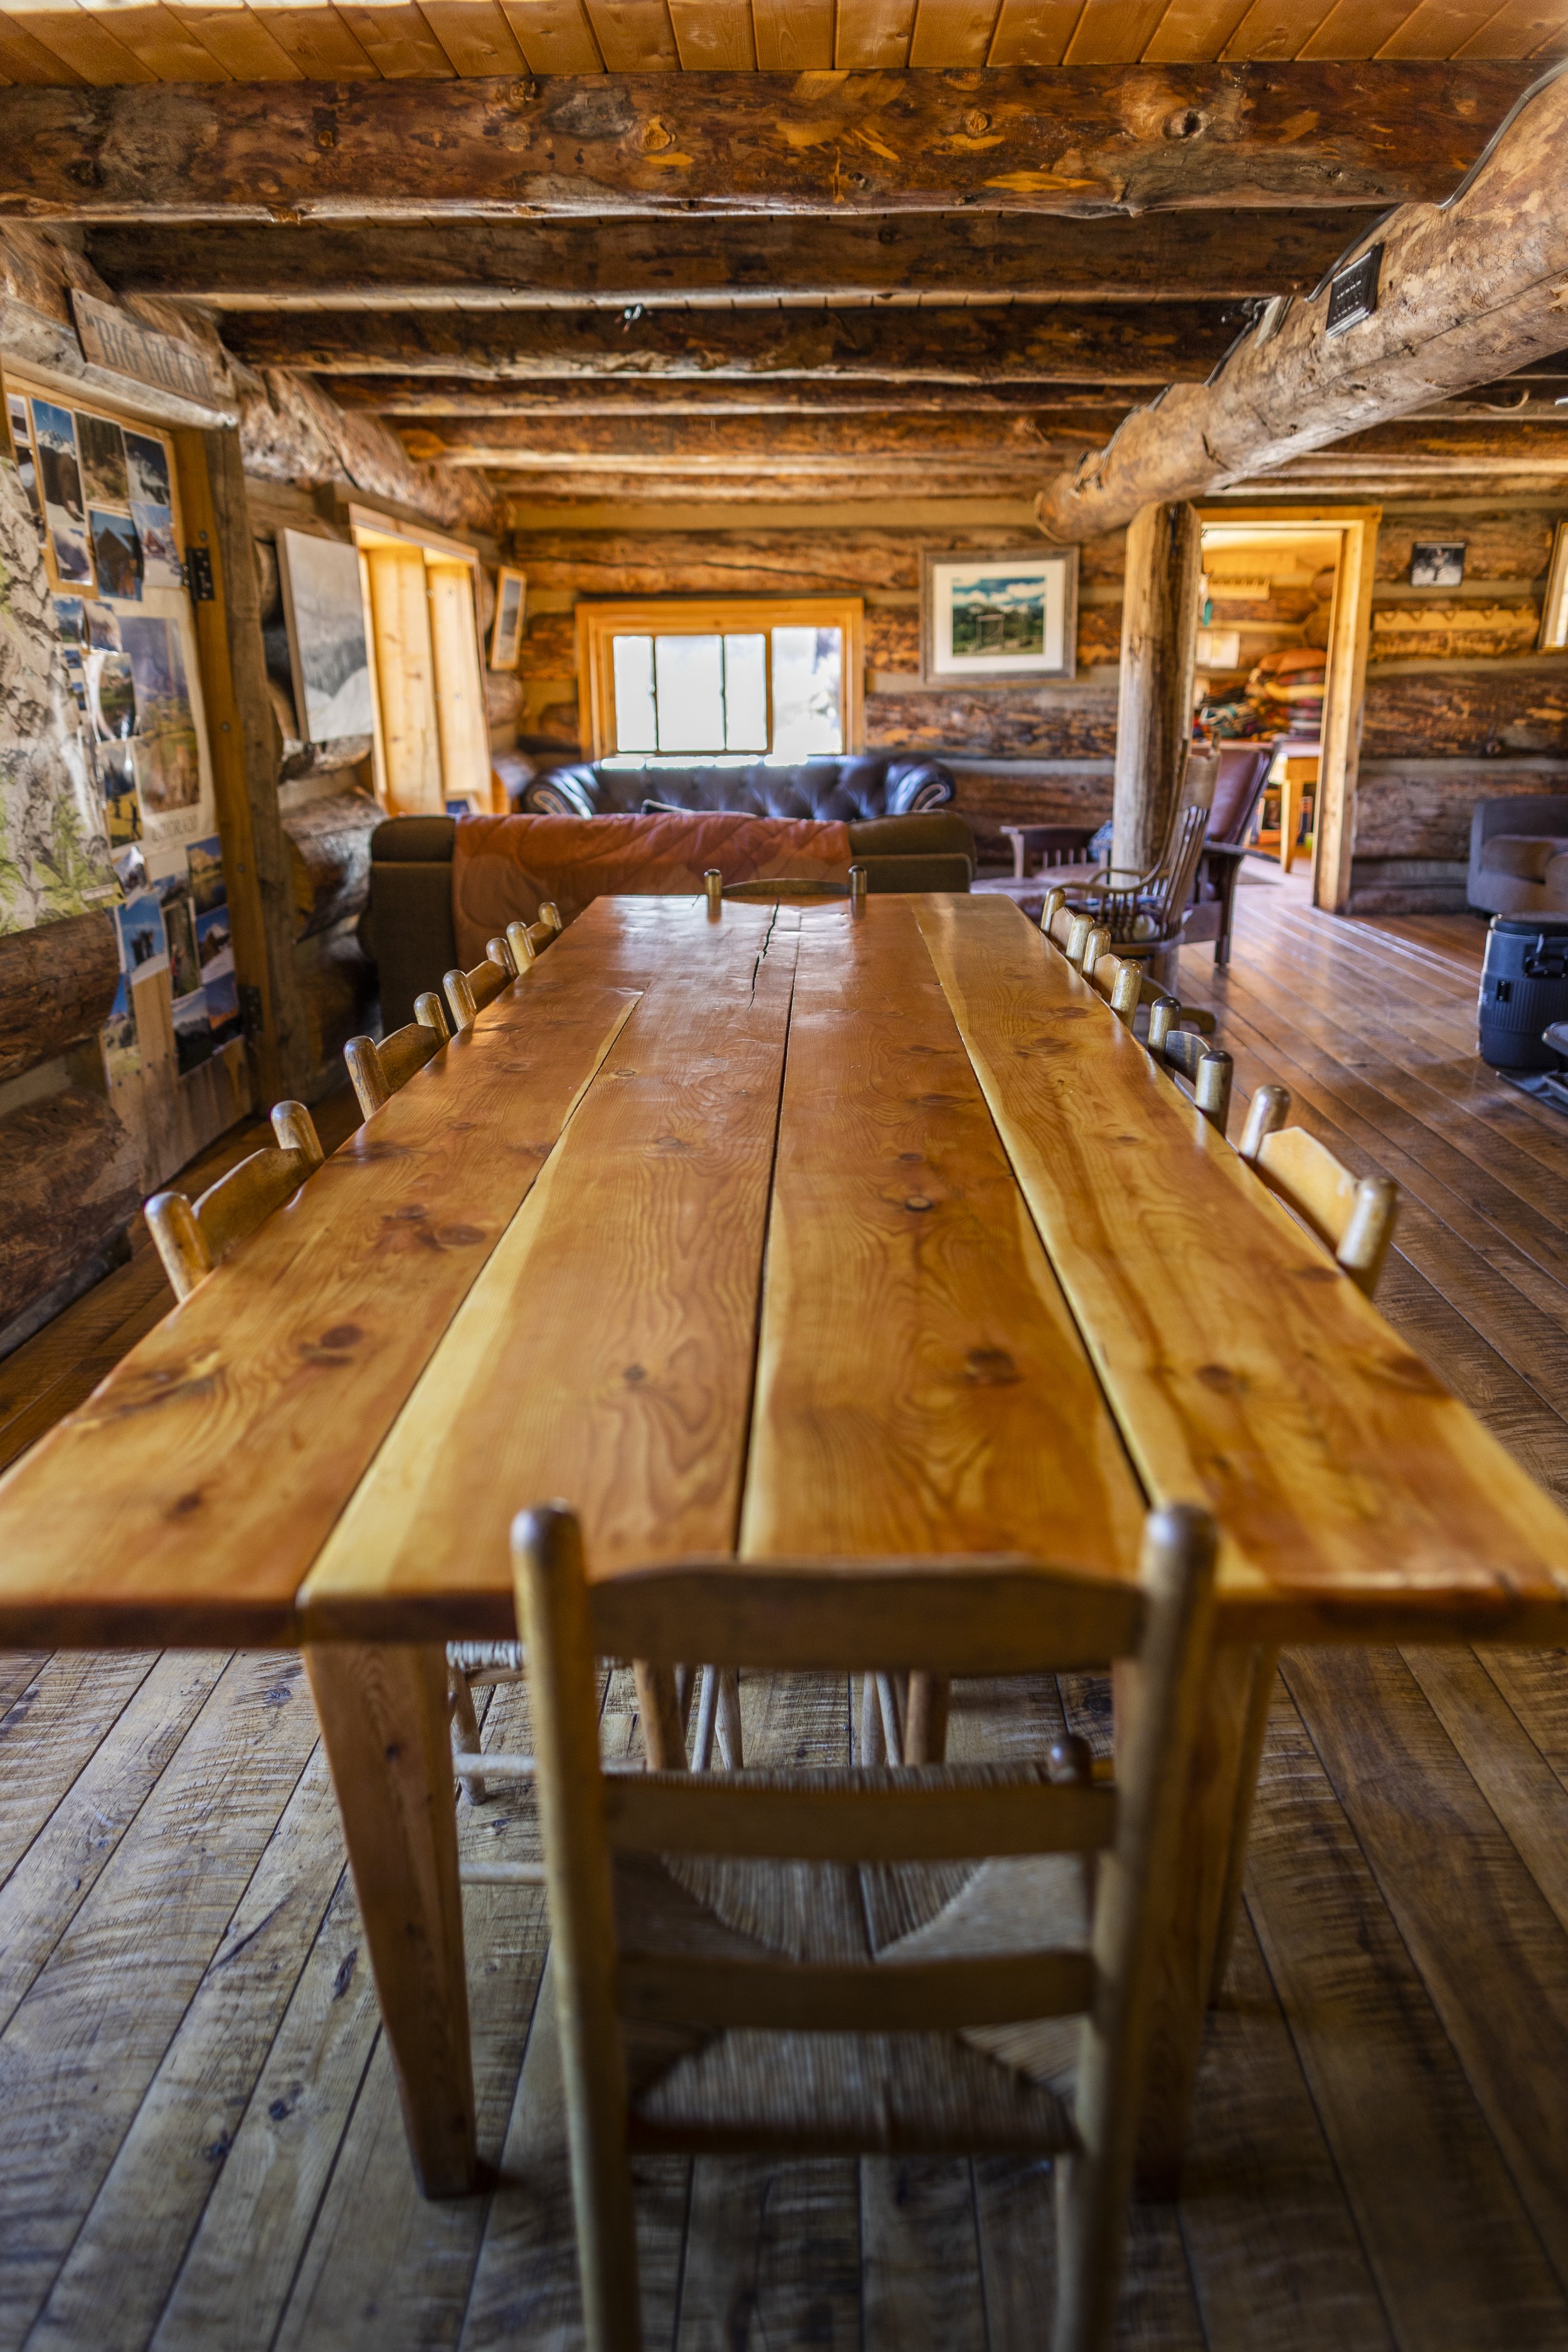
pixel 1349 637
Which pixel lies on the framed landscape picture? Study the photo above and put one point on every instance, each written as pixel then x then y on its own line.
pixel 324 608
pixel 506 636
pixel 994 618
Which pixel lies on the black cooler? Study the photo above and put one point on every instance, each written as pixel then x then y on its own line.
pixel 1524 987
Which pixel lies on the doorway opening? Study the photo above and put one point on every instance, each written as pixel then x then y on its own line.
pixel 1283 625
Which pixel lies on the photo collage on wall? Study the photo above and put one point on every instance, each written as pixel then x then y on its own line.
pixel 102 497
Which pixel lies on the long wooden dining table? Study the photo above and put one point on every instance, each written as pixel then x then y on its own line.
pixel 778 1231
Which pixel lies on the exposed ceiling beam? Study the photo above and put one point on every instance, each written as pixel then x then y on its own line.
pixel 1157 343
pixel 748 441
pixel 506 264
pixel 1078 140
pixel 573 485
pixel 1463 296
pixel 438 395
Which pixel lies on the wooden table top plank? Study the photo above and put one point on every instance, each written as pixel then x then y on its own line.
pixel 185 1499
pixel 606 1355
pixel 922 1386
pixel 1242 1369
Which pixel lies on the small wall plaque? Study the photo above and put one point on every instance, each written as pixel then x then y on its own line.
pixel 1437 564
pixel 1352 295
pixel 112 339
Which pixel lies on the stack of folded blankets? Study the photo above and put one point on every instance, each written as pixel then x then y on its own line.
pixel 1287 688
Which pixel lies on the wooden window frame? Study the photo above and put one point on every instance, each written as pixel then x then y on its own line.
pixel 666 616
pixel 1350 638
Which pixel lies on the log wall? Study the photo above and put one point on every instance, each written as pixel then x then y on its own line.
pixel 1459 705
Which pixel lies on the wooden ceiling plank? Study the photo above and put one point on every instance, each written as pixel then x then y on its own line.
pixel 1191 31
pixel 81 41
pixel 953 33
pixel 396 40
pixel 1521 28
pixel 713 36
pixel 1114 32
pixel 1439 28
pixel 634 36
pixel 441 396
pixel 319 41
pixel 503 441
pixel 1075 144
pixel 235 35
pixel 873 35
pixel 1034 32
pixel 1356 29
pixel 24 57
pixel 573 485
pixel 165 47
pixel 1111 341
pixel 793 35
pixel 475 35
pixel 554 35
pixel 1275 28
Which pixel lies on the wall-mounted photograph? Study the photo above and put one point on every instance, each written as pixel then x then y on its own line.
pixel 325 609
pixel 998 616
pixel 506 636
pixel 1437 564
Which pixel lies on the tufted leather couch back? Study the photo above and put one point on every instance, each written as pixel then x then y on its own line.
pixel 864 785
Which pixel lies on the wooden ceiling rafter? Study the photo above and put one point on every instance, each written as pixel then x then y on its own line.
pixel 1077 143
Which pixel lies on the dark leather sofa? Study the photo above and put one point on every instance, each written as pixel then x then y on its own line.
pixel 861 785
pixel 407 930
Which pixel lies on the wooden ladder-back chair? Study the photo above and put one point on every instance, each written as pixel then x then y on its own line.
pixel 766 889
pixel 1118 978
pixel 1145 912
pixel 1354 1216
pixel 468 992
pixel 193 1236
pixel 381 1067
pixel 528 941
pixel 865 1960
pixel 1208 1069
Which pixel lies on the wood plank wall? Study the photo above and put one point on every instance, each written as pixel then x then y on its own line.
pixel 1459 705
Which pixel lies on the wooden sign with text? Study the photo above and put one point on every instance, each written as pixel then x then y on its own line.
pixel 111 339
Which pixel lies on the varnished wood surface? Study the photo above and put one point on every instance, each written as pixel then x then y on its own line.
pixel 1351 1489
pixel 190 1491
pixel 1376 2158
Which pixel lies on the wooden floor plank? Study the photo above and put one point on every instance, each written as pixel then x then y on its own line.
pixel 1518 1783
pixel 77 2057
pixel 128 2251
pixel 51 1731
pixel 62 1864
pixel 1451 2245
pixel 1458 1892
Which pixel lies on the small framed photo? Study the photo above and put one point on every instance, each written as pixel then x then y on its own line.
pixel 1000 616
pixel 1437 564
pixel 506 635
pixel 1555 608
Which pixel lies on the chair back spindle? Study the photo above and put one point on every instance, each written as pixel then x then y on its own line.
pixel 1354 1216
pixel 192 1237
pixel 379 1068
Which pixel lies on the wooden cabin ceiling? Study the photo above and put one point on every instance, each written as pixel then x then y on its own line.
pixel 130 42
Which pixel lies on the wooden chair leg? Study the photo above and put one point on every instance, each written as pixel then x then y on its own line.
pixel 925 1724
pixel 892 1718
pixel 384 1725
pixel 707 1721
pixel 468 1729
pixel 728 1717
pixel 1255 1730
pixel 663 1724
pixel 1186 1964
pixel 873 1749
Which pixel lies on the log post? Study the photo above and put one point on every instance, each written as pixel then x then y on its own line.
pixel 1155 702
pixel 247 753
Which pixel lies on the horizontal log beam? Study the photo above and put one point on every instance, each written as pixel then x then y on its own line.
pixel 1464 295
pixel 56 985
pixel 510 265
pixel 742 442
pixel 763 562
pixel 439 397
pixel 1082 139
pixel 662 486
pixel 1155 343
